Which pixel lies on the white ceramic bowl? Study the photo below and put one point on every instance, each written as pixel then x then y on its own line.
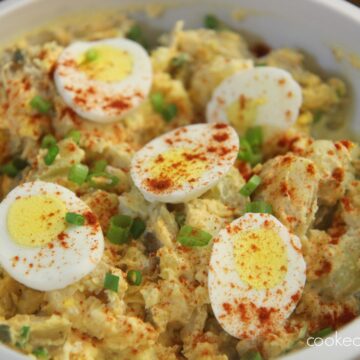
pixel 315 26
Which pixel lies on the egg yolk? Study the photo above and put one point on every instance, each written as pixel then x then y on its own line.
pixel 242 112
pixel 36 220
pixel 260 258
pixel 178 165
pixel 106 63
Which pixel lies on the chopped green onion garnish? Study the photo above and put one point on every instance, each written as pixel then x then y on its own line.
pixel 119 228
pixel 40 104
pixel 169 112
pixel 47 141
pixel 41 353
pixel 99 166
pixel 134 277
pixel 51 155
pixel 317 116
pixel 179 61
pixel 5 335
pixel 157 101
pixel 251 355
pixel 13 167
pixel 137 228
pixel 250 186
pixel 9 169
pixel 78 173
pixel 247 154
pixel 75 135
pixel 74 219
pixel 23 336
pixel 258 207
pixel 212 22
pixel 254 136
pixel 111 282
pixel 102 180
pixel 323 332
pixel 261 64
pixel 91 55
pixel 135 34
pixel 189 236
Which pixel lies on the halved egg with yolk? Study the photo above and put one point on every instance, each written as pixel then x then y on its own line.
pixel 256 277
pixel 38 248
pixel 103 80
pixel 184 163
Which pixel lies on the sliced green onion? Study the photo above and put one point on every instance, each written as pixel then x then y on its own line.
pixel 47 141
pixel 40 104
pixel 317 116
pixel 51 155
pixel 99 166
pixel 91 55
pixel 323 332
pixel 41 353
pixel 23 336
pixel 189 236
pixel 258 207
pixel 13 167
pixel 111 282
pixel 9 169
pixel 254 136
pixel 250 186
pixel 137 228
pixel 103 180
pixel 75 135
pixel 251 355
pixel 169 112
pixel 211 22
pixel 78 173
pixel 179 61
pixel 74 219
pixel 119 228
pixel 135 33
pixel 157 101
pixel 260 64
pixel 5 335
pixel 134 277
pixel 247 154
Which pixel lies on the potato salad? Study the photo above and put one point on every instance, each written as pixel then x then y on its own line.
pixel 172 199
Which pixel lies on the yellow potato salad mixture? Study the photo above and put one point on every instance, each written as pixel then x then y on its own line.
pixel 169 202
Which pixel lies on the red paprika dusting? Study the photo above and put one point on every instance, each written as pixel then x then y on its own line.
pixel 338 174
pixel 90 218
pixel 220 126
pixel 227 307
pixel 310 169
pixel 159 184
pixel 325 268
pixel 221 137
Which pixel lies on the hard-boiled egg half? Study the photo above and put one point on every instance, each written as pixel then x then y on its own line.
pixel 256 275
pixel 184 163
pixel 259 96
pixel 103 80
pixel 38 248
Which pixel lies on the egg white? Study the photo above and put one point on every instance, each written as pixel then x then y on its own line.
pixel 54 267
pixel 281 101
pixel 226 287
pixel 133 89
pixel 198 138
